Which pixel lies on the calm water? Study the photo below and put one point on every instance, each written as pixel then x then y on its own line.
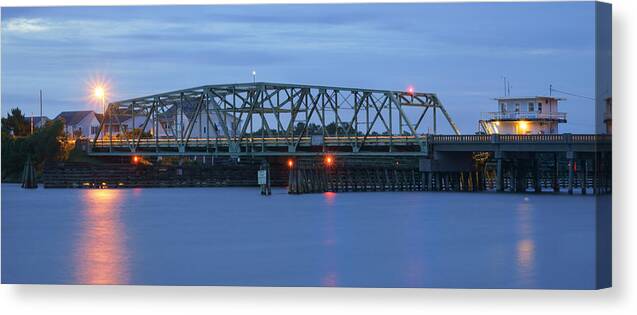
pixel 234 236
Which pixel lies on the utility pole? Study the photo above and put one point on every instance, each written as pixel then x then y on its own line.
pixel 41 119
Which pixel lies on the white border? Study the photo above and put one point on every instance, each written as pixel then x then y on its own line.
pixel 31 299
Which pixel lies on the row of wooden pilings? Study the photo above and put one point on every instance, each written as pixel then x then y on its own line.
pixel 586 175
pixel 317 180
pixel 313 177
pixel 590 174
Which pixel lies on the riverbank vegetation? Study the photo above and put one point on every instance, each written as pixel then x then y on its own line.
pixel 19 144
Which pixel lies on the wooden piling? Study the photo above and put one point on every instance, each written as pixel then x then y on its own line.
pixel 28 175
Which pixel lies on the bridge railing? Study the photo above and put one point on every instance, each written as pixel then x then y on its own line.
pixel 532 138
pixel 460 139
pixel 524 115
pixel 558 139
pixel 267 141
pixel 370 140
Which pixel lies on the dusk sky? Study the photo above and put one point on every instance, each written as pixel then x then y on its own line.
pixel 459 51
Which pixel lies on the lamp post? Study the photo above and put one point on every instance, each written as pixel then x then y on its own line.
pixel 254 76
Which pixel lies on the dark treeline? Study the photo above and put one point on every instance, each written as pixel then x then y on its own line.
pixel 331 129
pixel 18 144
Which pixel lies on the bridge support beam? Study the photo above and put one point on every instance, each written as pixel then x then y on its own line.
pixel 537 184
pixel 556 174
pixel 583 179
pixel 571 161
pixel 499 176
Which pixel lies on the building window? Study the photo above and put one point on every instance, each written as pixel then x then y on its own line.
pixel 503 107
pixel 204 129
pixel 531 107
pixel 539 107
pixel 94 129
pixel 517 107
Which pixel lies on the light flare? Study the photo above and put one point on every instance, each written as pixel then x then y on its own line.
pixel 329 160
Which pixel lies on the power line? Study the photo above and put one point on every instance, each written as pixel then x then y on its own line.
pixel 571 94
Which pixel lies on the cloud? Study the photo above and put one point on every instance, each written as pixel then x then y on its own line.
pixel 25 25
pixel 460 51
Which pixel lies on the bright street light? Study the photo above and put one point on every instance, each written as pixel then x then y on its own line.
pixel 100 94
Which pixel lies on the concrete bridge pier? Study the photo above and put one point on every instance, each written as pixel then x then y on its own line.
pixel 499 172
pixel 596 174
pixel 556 174
pixel 519 176
pixel 537 184
pixel 583 176
pixel 570 157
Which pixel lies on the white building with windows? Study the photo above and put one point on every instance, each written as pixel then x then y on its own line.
pixel 524 116
pixel 80 124
pixel 173 123
pixel 205 124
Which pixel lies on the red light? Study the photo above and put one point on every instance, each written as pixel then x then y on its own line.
pixel 135 159
pixel 290 163
pixel 410 90
pixel 329 160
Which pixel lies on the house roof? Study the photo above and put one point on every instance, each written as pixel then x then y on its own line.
pixel 513 98
pixel 73 117
pixel 189 108
pixel 100 117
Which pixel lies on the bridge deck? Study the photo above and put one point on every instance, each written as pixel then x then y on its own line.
pixel 351 145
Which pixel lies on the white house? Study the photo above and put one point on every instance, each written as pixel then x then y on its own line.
pixel 84 124
pixel 203 125
pixel 126 123
pixel 172 122
pixel 524 115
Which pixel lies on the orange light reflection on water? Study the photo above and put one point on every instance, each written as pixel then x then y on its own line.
pixel 525 247
pixel 330 276
pixel 101 255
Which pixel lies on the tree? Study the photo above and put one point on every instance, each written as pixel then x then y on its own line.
pixel 43 145
pixel 15 122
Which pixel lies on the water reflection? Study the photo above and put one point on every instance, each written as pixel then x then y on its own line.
pixel 329 198
pixel 101 255
pixel 525 247
pixel 330 278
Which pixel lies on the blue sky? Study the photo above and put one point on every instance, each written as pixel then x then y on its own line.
pixel 459 51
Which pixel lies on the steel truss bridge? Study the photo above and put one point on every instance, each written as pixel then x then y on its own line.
pixel 270 119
